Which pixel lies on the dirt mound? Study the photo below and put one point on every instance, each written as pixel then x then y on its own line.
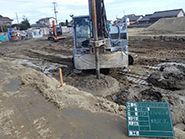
pixel 138 93
pixel 27 109
pixel 170 76
pixel 169 25
pixel 142 93
pixel 104 86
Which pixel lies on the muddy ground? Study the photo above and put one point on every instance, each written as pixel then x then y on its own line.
pixel 152 57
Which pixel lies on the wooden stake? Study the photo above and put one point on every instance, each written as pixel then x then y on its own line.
pixel 61 79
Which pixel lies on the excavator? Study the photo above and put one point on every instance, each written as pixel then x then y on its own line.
pixel 56 33
pixel 98 46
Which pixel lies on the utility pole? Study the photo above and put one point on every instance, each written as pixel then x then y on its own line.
pixel 17 18
pixel 55 11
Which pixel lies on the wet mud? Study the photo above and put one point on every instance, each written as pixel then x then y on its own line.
pixel 149 79
pixel 170 76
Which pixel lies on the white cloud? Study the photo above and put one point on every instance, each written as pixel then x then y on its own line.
pixel 34 9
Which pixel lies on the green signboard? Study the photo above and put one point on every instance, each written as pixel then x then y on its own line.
pixel 149 119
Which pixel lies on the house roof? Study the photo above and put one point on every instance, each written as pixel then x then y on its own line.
pixel 5 19
pixel 35 25
pixel 146 17
pixel 168 13
pixel 134 17
pixel 44 19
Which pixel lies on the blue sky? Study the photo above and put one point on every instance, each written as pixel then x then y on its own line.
pixel 36 9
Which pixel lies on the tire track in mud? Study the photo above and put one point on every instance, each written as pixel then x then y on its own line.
pixel 50 58
pixel 46 62
pixel 140 79
pixel 53 56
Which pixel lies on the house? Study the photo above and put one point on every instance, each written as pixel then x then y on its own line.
pixel 44 22
pixel 5 21
pixel 167 14
pixel 134 18
pixel 36 26
pixel 145 19
pixel 151 18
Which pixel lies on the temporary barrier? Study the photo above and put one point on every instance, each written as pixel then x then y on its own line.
pixel 37 33
pixel 65 29
pixel 3 38
pixel 14 34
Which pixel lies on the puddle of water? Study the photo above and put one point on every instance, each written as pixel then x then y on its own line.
pixel 12 86
pixel 45 67
pixel 52 67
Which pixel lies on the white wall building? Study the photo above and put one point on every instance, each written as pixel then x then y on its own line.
pixel 46 22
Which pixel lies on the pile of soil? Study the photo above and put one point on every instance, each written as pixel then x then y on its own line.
pixel 169 77
pixel 169 25
pixel 142 93
pixel 104 86
pixel 33 107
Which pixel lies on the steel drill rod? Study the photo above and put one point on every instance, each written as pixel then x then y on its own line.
pixel 95 35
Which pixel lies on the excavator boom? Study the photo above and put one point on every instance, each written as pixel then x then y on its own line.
pixel 101 18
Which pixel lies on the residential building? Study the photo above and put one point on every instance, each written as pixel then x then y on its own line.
pixel 167 14
pixel 44 22
pixel 145 19
pixel 5 21
pixel 134 18
pixel 131 19
pixel 36 26
pixel 151 18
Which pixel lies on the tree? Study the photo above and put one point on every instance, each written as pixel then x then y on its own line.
pixel 18 26
pixel 24 27
pixel 67 22
pixel 1 16
pixel 62 23
pixel 25 22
